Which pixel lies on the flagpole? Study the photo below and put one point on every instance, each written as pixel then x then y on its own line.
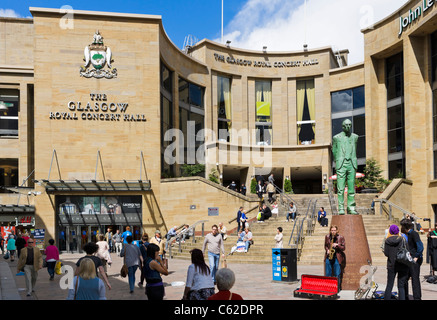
pixel 222 21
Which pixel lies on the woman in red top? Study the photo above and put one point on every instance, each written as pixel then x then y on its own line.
pixel 52 255
pixel 225 280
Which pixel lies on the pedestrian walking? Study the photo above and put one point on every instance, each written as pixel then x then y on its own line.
pixel 199 284
pixel 118 242
pixel 91 249
pixel 109 240
pixel 30 262
pixel 20 243
pixel 143 249
pixel 215 243
pixel 10 246
pixel 86 285
pixel 134 260
pixel 52 255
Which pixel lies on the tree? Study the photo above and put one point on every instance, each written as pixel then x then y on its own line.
pixel 193 170
pixel 287 186
pixel 253 185
pixel 373 178
pixel 214 176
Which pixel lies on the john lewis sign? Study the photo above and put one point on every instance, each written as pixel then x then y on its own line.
pixel 414 14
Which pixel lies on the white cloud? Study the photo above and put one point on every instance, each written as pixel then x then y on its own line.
pixel 281 25
pixel 9 13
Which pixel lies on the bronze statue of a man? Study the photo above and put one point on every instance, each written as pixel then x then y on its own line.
pixel 344 149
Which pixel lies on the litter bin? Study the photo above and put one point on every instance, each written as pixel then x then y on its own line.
pixel 284 264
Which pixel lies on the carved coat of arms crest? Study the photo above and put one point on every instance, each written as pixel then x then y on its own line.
pixel 96 57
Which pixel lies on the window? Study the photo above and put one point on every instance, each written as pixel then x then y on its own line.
pixel 395 76
pixel 191 121
pixel 350 104
pixel 306 111
pixel 166 108
pixel 434 103
pixel 224 108
pixel 434 56
pixel 263 114
pixel 8 173
pixel 166 79
pixel 395 116
pixel 9 107
pixel 167 166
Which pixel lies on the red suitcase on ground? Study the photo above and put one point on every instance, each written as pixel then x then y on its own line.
pixel 317 287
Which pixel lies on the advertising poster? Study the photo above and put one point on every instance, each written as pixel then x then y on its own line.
pixel 39 235
pixel 99 210
pixel 6 231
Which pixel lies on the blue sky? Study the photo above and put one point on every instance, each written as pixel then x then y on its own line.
pixel 281 25
pixel 201 18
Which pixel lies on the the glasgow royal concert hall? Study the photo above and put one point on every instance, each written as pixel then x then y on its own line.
pixel 100 123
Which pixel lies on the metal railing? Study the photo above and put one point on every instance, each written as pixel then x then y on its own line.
pixel 297 240
pixel 332 198
pixel 389 211
pixel 191 231
pixel 282 195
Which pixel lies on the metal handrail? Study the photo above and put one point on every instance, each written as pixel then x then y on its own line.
pixel 282 193
pixel 292 232
pixel 390 205
pixel 192 228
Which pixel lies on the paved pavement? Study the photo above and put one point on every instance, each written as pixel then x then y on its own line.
pixel 253 282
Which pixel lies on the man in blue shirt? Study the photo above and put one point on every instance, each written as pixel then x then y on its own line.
pixel 126 234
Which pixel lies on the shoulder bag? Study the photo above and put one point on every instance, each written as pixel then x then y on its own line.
pixel 403 255
pixel 124 270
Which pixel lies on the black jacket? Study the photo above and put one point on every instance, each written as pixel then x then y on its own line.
pixel 391 248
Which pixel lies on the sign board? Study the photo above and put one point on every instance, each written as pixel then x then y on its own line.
pixel 214 211
pixel 276 264
pixel 39 235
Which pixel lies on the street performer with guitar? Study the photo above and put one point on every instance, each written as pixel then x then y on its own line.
pixel 334 254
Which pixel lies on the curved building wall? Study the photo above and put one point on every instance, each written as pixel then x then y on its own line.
pixel 291 99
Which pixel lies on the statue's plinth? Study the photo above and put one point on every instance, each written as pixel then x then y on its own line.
pixel 357 251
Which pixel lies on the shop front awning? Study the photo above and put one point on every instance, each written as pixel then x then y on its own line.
pixel 95 185
pixel 13 208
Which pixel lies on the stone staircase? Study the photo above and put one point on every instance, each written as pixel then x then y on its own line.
pixel 312 252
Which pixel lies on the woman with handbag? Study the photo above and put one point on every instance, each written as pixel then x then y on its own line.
pixel 392 245
pixel 52 255
pixel 133 260
pixel 86 285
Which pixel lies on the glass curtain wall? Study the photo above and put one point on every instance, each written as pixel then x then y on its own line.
pixel 192 121
pixel 167 123
pixel 395 116
pixel 434 95
pixel 224 108
pixel 263 121
pixel 306 111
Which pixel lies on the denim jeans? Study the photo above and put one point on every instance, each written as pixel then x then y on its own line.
pixel 51 268
pixel 214 260
pixel 131 276
pixel 332 268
